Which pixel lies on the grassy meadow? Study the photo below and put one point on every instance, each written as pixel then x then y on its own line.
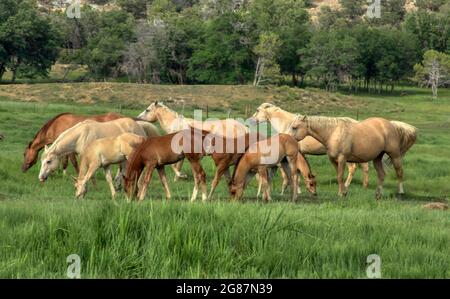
pixel 324 237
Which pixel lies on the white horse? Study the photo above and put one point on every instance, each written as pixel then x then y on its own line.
pixel 75 140
pixel 282 121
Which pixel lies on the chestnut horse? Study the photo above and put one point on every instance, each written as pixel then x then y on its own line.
pixel 226 152
pixel 360 142
pixel 156 152
pixel 278 149
pixel 52 129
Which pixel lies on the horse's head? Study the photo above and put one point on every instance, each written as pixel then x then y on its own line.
pixel 262 113
pixel 299 128
pixel 30 156
pixel 49 163
pixel 311 184
pixel 149 114
pixel 236 191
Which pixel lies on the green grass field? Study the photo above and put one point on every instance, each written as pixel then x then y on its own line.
pixel 324 237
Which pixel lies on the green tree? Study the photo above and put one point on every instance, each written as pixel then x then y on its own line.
pixel 267 68
pixel 434 70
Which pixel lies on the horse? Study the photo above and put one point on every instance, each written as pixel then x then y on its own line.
pixel 226 152
pixel 156 152
pixel 282 120
pixel 360 142
pixel 261 155
pixel 103 153
pixel 171 122
pixel 75 139
pixel 50 131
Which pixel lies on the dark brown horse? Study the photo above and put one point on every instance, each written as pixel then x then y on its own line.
pixel 156 152
pixel 52 129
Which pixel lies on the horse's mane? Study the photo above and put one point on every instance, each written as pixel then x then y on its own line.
pixel 163 106
pixel 63 134
pixel 325 121
pixel 46 126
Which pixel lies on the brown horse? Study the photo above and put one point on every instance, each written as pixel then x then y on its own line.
pixel 278 149
pixel 227 152
pixel 52 129
pixel 156 152
pixel 360 142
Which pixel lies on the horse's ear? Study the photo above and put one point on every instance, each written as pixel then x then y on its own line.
pixel 304 118
pixel 45 148
pixel 156 103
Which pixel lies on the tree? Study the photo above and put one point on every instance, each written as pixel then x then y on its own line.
pixel 28 43
pixel 267 68
pixel 434 70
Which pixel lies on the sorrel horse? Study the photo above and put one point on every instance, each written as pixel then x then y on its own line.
pixel 157 152
pixel 261 155
pixel 75 139
pixel 360 142
pixel 105 152
pixel 282 120
pixel 172 122
pixel 52 129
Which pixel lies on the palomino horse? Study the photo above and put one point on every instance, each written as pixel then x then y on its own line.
pixel 359 142
pixel 171 122
pixel 103 153
pixel 263 154
pixel 226 152
pixel 52 129
pixel 282 120
pixel 75 139
pixel 157 152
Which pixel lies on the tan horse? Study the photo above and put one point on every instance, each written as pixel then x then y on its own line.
pixel 52 129
pixel 157 152
pixel 282 120
pixel 103 153
pixel 359 142
pixel 263 154
pixel 75 140
pixel 171 122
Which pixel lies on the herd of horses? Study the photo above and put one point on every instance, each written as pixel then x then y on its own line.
pixel 138 147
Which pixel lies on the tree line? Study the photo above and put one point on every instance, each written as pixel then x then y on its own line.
pixel 228 41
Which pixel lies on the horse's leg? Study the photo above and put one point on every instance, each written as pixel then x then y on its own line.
pixel 351 172
pixel 365 169
pixel 64 164
pixel 88 175
pixel 293 169
pixel 340 175
pixel 285 178
pixel 109 179
pixel 397 162
pixel 74 161
pixel 163 177
pixel 199 178
pixel 263 175
pixel 378 164
pixel 145 182
pixel 118 179
pixel 259 179
pixel 221 169
pixel 177 169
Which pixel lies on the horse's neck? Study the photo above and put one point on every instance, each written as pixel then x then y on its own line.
pixel 241 172
pixel 168 119
pixel 321 132
pixel 65 145
pixel 281 120
pixel 39 141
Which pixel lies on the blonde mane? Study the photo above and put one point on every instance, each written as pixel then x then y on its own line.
pixel 324 121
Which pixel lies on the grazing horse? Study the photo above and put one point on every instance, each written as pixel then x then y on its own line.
pixel 359 142
pixel 75 140
pixel 157 152
pixel 263 154
pixel 52 129
pixel 226 152
pixel 172 122
pixel 282 120
pixel 103 153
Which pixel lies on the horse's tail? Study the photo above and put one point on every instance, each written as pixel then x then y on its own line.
pixel 408 137
pixel 133 171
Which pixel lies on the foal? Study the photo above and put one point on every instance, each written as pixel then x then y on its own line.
pixel 103 153
pixel 265 154
pixel 157 152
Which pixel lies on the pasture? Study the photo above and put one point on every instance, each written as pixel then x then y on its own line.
pixel 324 237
